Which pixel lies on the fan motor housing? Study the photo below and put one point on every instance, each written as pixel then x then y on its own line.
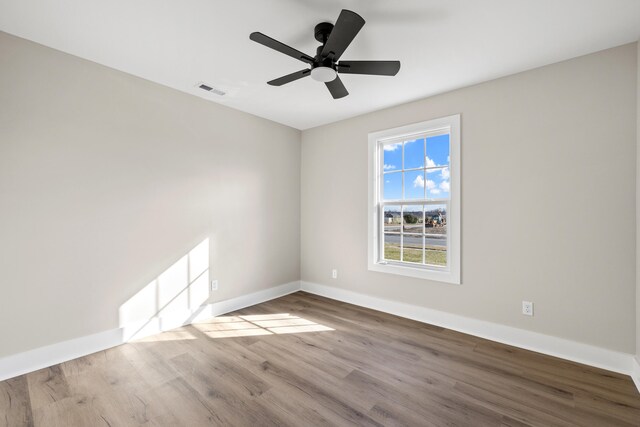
pixel 323 62
pixel 322 32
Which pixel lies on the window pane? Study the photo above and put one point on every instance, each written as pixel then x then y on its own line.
pixel 438 151
pixel 414 185
pixel 438 257
pixel 412 248
pixel 392 157
pixel 413 220
pixel 392 247
pixel 436 235
pixel 438 183
pixel 392 186
pixel 414 154
pixel 392 219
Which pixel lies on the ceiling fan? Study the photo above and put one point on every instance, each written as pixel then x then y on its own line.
pixel 326 65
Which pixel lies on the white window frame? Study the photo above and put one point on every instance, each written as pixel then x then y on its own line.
pixel 450 273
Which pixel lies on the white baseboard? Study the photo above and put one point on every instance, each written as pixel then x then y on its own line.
pixel 43 357
pixel 635 372
pixel 541 343
pixel 168 321
pixel 222 307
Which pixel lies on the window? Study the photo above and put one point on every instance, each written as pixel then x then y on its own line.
pixel 414 200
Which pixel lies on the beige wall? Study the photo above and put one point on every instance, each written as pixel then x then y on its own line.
pixel 548 199
pixel 107 180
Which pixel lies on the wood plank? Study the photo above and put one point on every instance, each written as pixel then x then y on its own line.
pixel 47 386
pixel 15 404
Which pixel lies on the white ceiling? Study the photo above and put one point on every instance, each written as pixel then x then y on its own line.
pixel 442 44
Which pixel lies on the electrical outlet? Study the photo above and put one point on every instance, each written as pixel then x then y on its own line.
pixel 527 308
pixel 214 285
pixel 334 274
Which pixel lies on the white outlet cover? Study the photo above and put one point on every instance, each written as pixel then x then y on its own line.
pixel 334 273
pixel 214 285
pixel 527 308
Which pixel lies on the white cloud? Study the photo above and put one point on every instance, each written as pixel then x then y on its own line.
pixel 420 182
pixel 392 147
pixel 389 167
pixel 435 191
pixel 444 185
pixel 430 163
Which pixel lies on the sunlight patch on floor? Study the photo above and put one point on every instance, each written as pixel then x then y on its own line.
pixel 258 324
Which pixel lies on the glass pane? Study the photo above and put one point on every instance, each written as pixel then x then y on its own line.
pixel 436 235
pixel 438 183
pixel 392 219
pixel 412 248
pixel 438 257
pixel 392 247
pixel 413 220
pixel 392 186
pixel 438 151
pixel 414 154
pixel 392 157
pixel 414 184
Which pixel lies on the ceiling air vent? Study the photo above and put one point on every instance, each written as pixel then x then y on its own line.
pixel 211 89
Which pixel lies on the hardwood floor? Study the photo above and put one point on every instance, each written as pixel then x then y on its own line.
pixel 303 360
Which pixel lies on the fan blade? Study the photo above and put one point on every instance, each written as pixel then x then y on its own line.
pixel 280 47
pixel 336 88
pixel 347 26
pixel 377 68
pixel 290 77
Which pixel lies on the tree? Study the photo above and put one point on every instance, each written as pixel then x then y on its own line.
pixel 410 219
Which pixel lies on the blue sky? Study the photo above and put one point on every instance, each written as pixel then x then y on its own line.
pixel 435 182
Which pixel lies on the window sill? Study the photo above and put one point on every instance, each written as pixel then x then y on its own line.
pixel 417 272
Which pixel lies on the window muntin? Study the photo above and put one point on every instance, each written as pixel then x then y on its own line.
pixel 415 200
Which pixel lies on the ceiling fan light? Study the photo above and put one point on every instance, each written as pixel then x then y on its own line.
pixel 323 74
